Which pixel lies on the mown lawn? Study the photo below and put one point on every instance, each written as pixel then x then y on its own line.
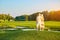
pixel 29 35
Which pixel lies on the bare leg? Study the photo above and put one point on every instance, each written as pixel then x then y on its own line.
pixel 37 26
pixel 41 27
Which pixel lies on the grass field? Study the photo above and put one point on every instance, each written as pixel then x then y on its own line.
pixel 29 35
pixel 30 24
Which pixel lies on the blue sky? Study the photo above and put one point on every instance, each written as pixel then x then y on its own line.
pixel 20 7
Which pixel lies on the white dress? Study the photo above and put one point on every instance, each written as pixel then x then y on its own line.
pixel 40 21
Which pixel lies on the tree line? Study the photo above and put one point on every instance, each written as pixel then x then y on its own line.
pixel 48 16
pixel 6 17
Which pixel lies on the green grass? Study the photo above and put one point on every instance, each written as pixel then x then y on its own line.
pixel 30 24
pixel 29 35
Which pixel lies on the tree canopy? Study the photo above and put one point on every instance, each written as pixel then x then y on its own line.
pixel 6 17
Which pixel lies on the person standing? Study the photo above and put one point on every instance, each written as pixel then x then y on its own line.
pixel 40 22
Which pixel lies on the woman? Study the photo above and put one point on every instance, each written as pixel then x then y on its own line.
pixel 40 22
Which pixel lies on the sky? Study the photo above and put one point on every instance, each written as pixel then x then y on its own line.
pixel 21 7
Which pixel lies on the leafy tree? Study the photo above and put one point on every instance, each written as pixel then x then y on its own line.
pixel 6 17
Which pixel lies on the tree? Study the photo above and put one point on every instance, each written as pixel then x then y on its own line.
pixel 26 17
pixel 45 14
pixel 6 17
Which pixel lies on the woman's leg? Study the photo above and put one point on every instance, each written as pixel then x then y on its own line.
pixel 41 27
pixel 37 26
